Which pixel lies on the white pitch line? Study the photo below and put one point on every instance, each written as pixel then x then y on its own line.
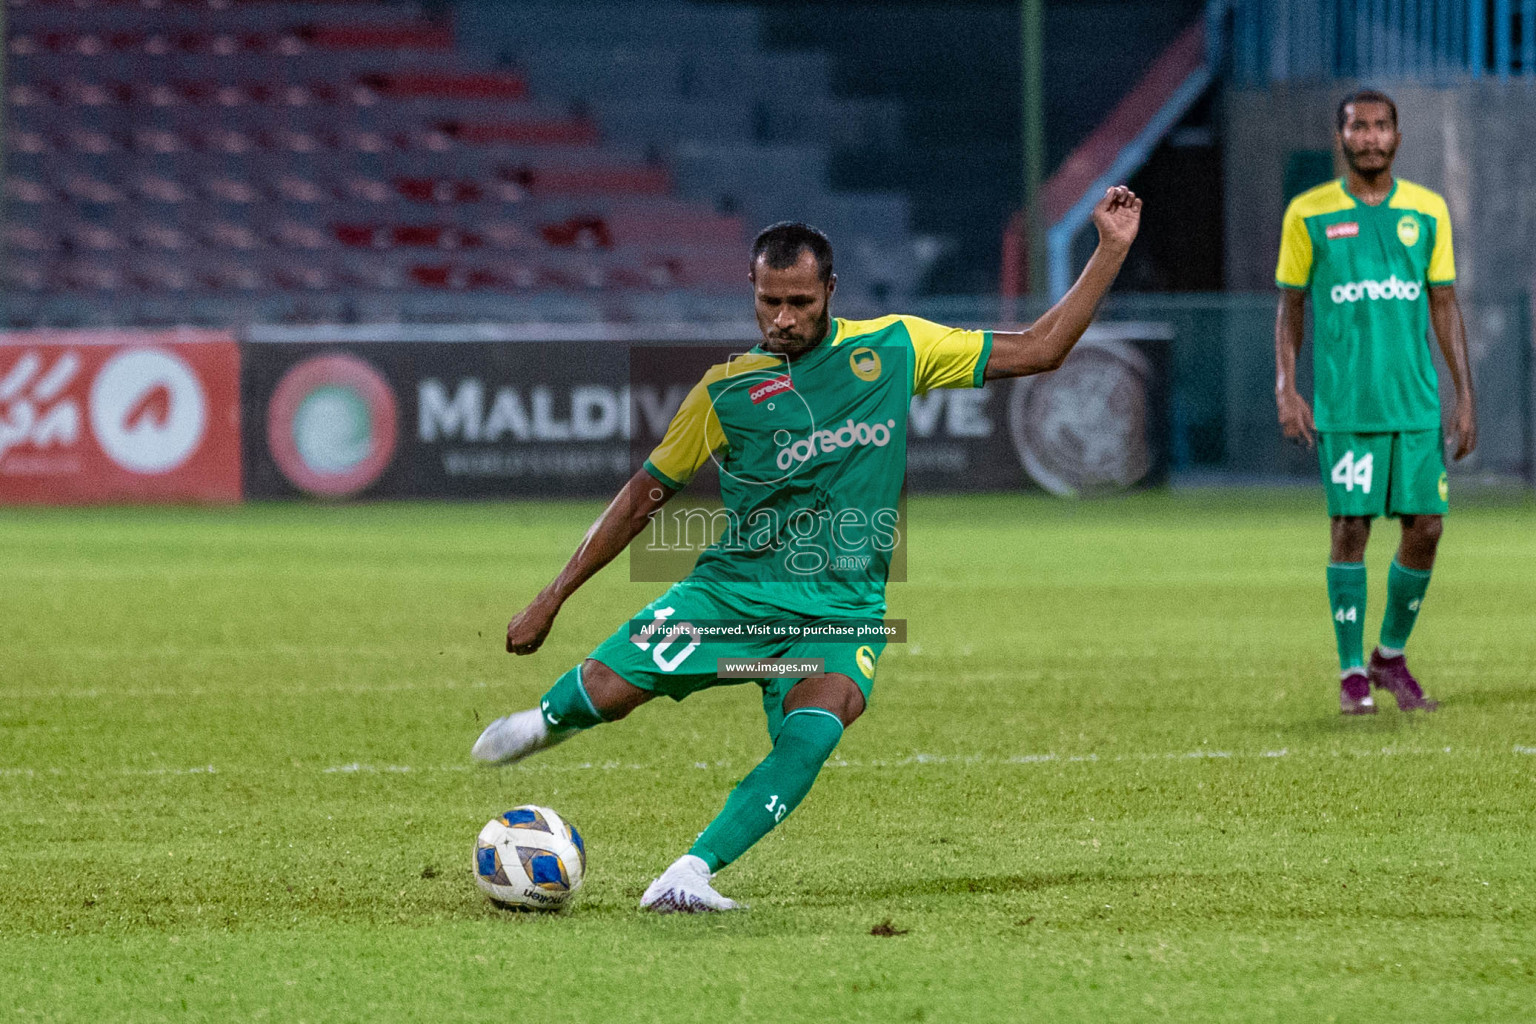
pixel 913 760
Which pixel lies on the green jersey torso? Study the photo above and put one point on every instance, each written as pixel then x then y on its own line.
pixel 1368 270
pixel 812 456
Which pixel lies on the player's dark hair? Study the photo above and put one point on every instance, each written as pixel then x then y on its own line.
pixel 1364 96
pixel 781 245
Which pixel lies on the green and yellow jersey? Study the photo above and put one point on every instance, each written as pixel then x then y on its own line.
pixel 1369 270
pixel 812 456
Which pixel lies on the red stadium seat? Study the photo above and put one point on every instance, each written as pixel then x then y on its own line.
pixel 362 236
pixel 578 232
pixel 583 180
pixel 404 36
pixel 562 132
pixel 438 276
pixel 435 190
pixel 490 85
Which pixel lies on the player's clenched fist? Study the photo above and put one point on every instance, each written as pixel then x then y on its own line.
pixel 529 627
pixel 1118 217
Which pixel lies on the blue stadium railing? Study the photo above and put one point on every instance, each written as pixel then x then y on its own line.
pixel 1429 41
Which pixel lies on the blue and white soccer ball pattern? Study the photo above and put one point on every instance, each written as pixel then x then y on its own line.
pixel 530 858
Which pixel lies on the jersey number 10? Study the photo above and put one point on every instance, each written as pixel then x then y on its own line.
pixel 1352 472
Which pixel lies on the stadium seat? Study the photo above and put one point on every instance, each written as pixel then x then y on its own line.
pixel 280 145
pixel 228 235
pixel 159 189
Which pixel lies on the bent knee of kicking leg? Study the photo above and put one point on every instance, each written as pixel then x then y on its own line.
pixel 833 692
pixel 612 695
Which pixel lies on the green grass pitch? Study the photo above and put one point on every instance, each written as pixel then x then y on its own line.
pixel 1105 780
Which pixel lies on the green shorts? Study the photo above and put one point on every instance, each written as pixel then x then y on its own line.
pixel 1396 474
pixel 676 658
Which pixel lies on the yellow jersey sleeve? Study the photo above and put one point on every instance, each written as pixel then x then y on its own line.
pixel 947 357
pixel 1442 260
pixel 1295 267
pixel 691 438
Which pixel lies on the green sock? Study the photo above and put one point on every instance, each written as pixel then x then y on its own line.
pixel 567 706
pixel 1346 596
pixel 1405 592
pixel 772 789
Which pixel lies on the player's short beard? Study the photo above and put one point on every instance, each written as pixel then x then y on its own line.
pixel 798 346
pixel 1354 163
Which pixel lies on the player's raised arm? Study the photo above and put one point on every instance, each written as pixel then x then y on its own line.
pixel 621 522
pixel 1451 332
pixel 1047 342
pixel 1295 414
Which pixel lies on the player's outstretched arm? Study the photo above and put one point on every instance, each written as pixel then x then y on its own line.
pixel 1451 332
pixel 1047 342
pixel 621 522
pixel 1295 414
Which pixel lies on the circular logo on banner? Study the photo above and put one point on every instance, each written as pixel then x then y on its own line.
pixel 1083 428
pixel 331 425
pixel 147 410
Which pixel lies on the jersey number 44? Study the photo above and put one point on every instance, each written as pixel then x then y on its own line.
pixel 1352 472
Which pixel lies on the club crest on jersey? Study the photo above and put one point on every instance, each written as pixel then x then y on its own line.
pixel 1408 230
pixel 1346 229
pixel 865 656
pixel 760 393
pixel 865 363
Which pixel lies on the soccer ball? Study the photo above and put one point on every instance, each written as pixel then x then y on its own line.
pixel 530 858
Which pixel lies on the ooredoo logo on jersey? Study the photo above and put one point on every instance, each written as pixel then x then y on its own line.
pixel 846 436
pixel 1391 288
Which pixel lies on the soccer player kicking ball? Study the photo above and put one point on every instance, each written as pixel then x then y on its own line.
pixel 809 432
pixel 1375 254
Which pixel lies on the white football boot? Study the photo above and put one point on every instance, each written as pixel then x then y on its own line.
pixel 684 889
pixel 516 736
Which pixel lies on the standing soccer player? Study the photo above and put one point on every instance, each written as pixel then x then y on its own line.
pixel 1375 254
pixel 809 431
